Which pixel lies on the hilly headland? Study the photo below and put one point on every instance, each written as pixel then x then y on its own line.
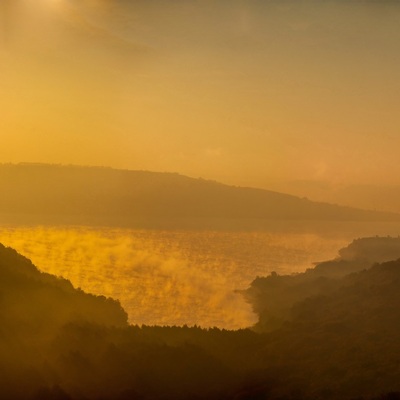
pixel 339 340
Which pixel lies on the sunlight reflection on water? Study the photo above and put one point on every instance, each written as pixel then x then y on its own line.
pixel 170 277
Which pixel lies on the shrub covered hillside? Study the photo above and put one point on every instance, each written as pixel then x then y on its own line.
pixel 57 342
pixel 273 297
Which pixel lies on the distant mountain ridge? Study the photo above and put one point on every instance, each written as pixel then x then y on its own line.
pixel 384 197
pixel 105 196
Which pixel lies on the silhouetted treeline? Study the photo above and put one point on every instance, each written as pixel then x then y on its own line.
pixel 57 342
pixel 52 194
pixel 274 296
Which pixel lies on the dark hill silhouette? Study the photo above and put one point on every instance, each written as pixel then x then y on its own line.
pixel 273 297
pixel 34 307
pixel 41 193
pixel 348 338
pixel 57 342
pixel 48 298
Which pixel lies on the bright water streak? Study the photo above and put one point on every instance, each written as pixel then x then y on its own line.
pixel 170 277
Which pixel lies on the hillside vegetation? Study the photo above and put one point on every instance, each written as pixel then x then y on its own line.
pixel 60 343
pixel 274 296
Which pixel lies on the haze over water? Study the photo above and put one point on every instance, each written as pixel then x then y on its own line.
pixel 170 277
pixel 110 111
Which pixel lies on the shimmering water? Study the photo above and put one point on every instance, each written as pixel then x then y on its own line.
pixel 170 277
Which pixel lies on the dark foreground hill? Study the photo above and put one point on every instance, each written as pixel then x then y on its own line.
pixel 103 196
pixel 345 343
pixel 57 342
pixel 273 297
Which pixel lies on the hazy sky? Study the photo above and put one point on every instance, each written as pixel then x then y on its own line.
pixel 241 91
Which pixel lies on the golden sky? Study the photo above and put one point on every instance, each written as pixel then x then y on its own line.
pixel 242 91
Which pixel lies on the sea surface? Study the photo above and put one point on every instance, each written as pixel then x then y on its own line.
pixel 182 277
pixel 170 277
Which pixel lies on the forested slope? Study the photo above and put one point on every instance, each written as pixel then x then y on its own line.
pixel 60 343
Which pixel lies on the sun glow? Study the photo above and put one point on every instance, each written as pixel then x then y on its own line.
pixel 132 85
